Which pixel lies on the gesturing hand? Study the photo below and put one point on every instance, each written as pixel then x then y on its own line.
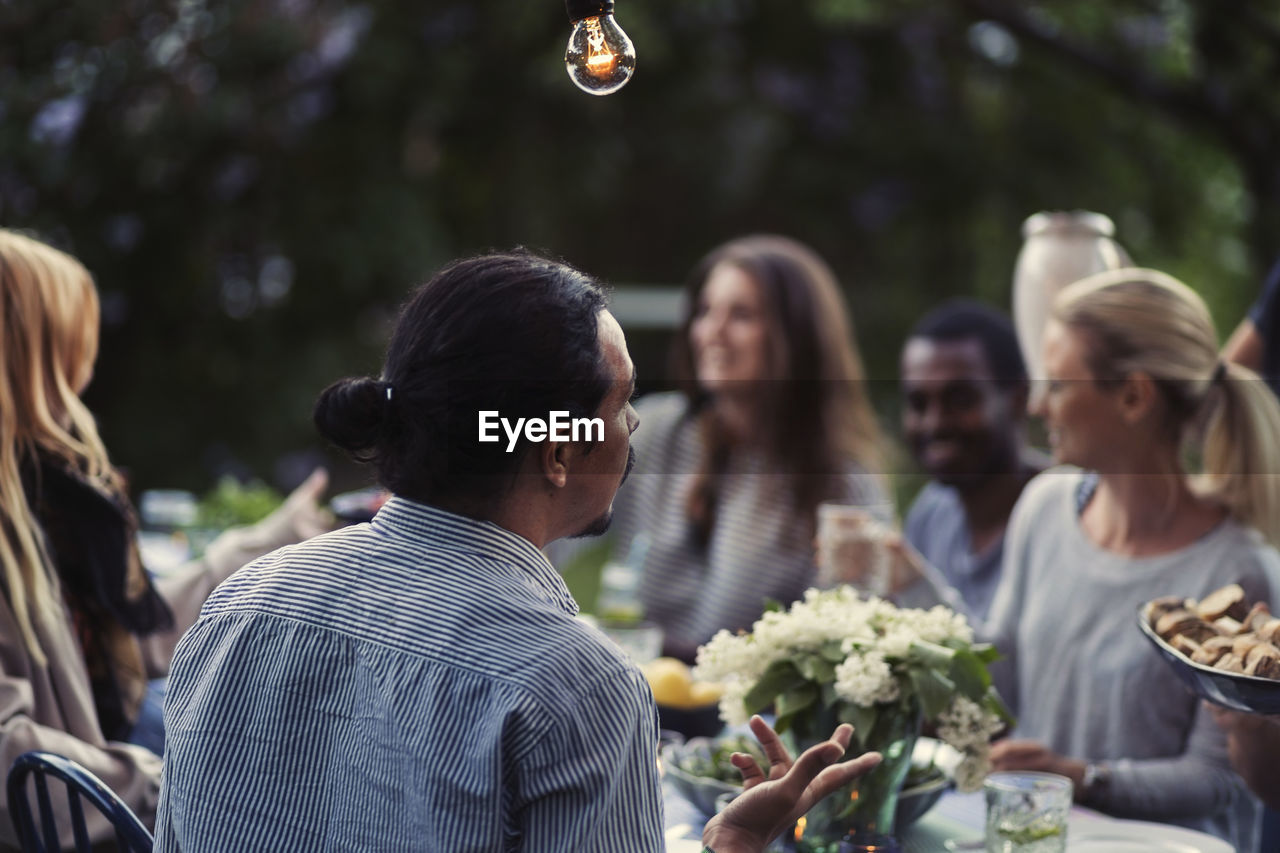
pixel 768 805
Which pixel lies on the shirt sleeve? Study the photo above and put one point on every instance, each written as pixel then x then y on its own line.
pixel 131 771
pixel 1001 627
pixel 591 782
pixel 1265 315
pixel 186 589
pixel 1197 783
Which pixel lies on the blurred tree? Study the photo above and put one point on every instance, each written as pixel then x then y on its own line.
pixel 256 183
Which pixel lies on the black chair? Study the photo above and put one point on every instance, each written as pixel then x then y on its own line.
pixel 131 835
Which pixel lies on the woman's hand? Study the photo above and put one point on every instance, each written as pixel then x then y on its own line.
pixel 770 804
pixel 857 561
pixel 1033 755
pixel 301 516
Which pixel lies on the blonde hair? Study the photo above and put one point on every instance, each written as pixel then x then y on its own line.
pixel 49 323
pixel 1145 321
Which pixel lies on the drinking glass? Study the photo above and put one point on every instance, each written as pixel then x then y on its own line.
pixel 1027 812
pixel 851 545
pixel 641 640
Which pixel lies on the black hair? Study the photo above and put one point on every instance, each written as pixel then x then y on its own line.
pixel 514 333
pixel 968 319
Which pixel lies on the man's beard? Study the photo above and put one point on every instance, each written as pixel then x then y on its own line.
pixel 601 524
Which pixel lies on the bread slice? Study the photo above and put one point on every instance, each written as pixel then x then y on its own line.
pixel 1227 601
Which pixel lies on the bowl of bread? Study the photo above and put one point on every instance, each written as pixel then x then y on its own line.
pixel 1223 648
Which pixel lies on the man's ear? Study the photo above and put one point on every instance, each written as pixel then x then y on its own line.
pixel 553 457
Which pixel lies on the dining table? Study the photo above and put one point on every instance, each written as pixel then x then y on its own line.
pixel 956 823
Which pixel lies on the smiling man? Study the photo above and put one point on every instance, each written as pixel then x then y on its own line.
pixel 420 682
pixel 964 390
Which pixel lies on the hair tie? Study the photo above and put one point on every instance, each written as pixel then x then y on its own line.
pixel 1219 373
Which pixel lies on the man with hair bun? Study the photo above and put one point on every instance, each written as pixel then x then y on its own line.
pixel 420 682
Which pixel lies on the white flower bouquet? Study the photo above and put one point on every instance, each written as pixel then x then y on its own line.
pixel 835 657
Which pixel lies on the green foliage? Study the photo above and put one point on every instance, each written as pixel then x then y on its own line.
pixel 231 502
pixel 256 185
pixel 714 761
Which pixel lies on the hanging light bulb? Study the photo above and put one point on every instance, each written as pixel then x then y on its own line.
pixel 600 57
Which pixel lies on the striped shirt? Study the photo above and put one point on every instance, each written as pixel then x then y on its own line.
pixel 760 547
pixel 415 683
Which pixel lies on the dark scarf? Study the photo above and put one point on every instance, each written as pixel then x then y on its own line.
pixel 91 534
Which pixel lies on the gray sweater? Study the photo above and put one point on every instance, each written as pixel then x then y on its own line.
pixel 1085 682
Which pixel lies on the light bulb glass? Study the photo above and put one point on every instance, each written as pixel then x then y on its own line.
pixel 600 58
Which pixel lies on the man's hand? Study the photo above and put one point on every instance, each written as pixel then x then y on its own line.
pixel 1033 755
pixel 1253 746
pixel 769 805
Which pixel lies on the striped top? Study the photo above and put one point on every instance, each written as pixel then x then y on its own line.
pixel 415 683
pixel 760 548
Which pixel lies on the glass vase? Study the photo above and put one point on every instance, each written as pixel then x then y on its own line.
pixel 860 815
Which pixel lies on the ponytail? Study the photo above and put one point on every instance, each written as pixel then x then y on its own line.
pixel 1241 450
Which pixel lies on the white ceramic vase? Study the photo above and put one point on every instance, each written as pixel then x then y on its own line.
pixel 1058 248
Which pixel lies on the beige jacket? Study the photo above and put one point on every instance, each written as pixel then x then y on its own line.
pixel 51 707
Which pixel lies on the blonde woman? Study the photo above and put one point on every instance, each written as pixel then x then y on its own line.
pixel 1135 386
pixel 82 627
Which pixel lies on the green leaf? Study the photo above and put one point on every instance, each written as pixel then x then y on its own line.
pixel 773 605
pixel 934 689
pixel 831 651
pixel 986 652
pixel 797 699
pixel 996 705
pixel 931 655
pixel 829 696
pixel 816 668
pixel 780 677
pixel 970 675
pixel 862 718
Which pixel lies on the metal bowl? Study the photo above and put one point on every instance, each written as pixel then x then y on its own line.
pixel 913 802
pixel 702 791
pixel 1228 689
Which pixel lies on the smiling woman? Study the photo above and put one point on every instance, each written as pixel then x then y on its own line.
pixel 772 419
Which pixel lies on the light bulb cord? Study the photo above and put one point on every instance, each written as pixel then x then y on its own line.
pixel 579 9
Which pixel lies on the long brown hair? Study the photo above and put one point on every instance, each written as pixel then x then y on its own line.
pixel 48 343
pixel 815 418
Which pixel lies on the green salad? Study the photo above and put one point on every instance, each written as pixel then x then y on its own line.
pixel 712 760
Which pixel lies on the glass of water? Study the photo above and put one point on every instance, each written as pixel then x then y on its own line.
pixel 851 545
pixel 1027 812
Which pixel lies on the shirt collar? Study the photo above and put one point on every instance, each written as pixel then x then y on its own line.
pixel 403 517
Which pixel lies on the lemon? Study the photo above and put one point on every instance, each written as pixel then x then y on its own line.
pixel 669 679
pixel 704 693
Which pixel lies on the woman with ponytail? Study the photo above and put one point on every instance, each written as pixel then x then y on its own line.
pixel 1167 486
pixel 82 626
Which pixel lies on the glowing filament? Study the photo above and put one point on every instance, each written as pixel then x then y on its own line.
pixel 599 56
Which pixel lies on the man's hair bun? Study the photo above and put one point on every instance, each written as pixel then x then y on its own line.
pixel 351 413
